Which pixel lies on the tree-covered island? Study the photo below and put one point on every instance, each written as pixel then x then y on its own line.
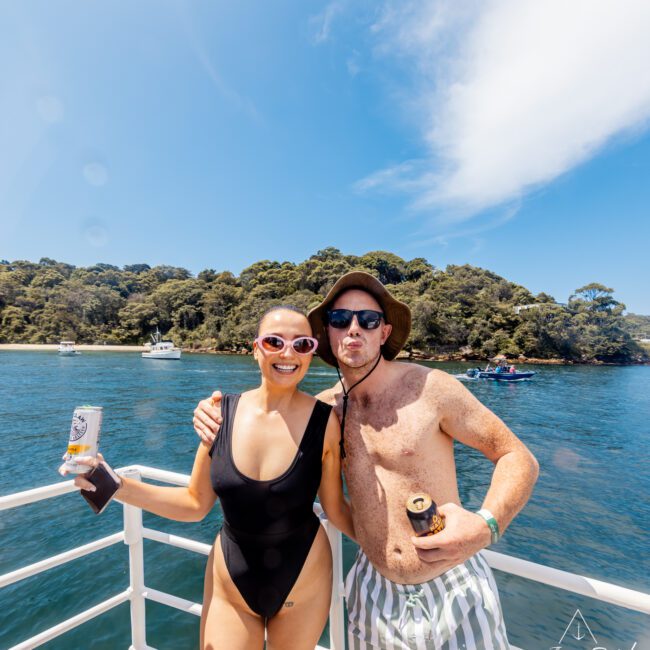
pixel 460 312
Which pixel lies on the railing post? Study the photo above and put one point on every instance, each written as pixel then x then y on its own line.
pixel 133 538
pixel 337 614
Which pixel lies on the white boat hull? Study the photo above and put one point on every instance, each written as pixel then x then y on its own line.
pixel 66 349
pixel 163 354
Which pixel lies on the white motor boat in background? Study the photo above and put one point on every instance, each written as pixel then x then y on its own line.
pixel 159 349
pixel 66 349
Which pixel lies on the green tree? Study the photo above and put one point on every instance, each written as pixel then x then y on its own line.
pixel 389 268
pixel 461 308
pixel 138 319
pixel 14 322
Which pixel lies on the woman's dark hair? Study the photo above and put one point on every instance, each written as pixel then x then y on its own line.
pixel 278 308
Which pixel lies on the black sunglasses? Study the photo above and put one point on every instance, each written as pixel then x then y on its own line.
pixel 369 319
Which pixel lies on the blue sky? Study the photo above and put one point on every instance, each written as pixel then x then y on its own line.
pixel 506 134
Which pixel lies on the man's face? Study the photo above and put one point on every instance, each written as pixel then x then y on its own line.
pixel 354 346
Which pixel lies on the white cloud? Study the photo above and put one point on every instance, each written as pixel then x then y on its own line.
pixel 322 23
pixel 198 45
pixel 352 64
pixel 488 220
pixel 510 94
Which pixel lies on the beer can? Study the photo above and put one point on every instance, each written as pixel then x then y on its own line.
pixel 84 437
pixel 423 514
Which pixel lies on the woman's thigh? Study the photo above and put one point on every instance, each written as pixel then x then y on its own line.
pixel 226 621
pixel 299 624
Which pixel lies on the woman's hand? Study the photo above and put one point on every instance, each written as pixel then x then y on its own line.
pixel 190 503
pixel 80 479
pixel 207 418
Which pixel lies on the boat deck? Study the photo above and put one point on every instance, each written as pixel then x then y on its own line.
pixel 137 592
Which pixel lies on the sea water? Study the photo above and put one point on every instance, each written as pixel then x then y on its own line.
pixel 589 427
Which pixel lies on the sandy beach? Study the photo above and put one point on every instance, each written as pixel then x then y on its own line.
pixel 404 356
pixel 81 347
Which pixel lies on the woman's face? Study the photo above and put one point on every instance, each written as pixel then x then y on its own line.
pixel 285 368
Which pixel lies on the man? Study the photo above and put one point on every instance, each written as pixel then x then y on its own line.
pixel 399 423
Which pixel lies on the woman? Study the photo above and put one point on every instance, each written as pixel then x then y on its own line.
pixel 272 566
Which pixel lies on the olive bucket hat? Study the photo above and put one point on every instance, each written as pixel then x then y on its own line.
pixel 396 313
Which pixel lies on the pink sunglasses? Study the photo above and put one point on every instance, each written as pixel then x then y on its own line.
pixel 275 343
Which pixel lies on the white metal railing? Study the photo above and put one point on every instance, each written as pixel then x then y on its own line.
pixel 137 592
pixel 133 535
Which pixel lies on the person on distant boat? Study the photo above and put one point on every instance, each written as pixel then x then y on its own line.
pixel 270 570
pixel 399 432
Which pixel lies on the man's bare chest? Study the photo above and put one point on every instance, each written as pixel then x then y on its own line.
pixel 388 436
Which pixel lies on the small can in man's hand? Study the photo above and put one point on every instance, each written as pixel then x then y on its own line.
pixel 423 514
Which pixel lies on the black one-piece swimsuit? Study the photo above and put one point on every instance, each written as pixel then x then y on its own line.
pixel 269 526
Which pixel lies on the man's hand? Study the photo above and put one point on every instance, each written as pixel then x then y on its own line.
pixel 465 534
pixel 207 418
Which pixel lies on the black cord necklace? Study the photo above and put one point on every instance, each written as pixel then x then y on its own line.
pixel 346 393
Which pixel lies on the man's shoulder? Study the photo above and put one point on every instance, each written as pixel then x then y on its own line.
pixel 329 394
pixel 440 382
pixel 403 370
pixel 441 377
pixel 428 382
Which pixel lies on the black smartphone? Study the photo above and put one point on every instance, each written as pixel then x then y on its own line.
pixel 107 483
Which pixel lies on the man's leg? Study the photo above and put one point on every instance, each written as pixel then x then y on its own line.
pixel 373 604
pixel 465 607
pixel 359 581
pixel 491 600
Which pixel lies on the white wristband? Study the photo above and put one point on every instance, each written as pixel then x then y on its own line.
pixel 492 523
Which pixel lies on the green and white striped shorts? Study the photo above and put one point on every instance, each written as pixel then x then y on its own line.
pixel 459 610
